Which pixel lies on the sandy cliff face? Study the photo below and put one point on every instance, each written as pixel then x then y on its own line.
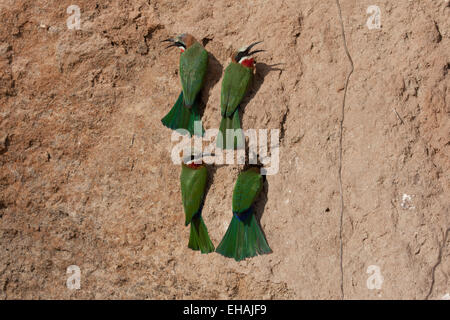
pixel 86 176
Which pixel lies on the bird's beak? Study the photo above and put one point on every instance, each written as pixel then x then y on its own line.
pixel 170 40
pixel 251 46
pixel 256 51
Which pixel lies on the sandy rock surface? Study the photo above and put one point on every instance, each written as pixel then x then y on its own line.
pixel 86 177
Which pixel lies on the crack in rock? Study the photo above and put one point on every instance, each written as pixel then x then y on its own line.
pixel 341 127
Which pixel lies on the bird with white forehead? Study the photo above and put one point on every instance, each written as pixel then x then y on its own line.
pixel 235 83
pixel 193 65
pixel 193 178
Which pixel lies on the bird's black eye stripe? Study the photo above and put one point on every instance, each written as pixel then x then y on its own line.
pixel 240 55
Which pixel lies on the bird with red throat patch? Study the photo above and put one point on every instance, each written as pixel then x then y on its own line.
pixel 235 83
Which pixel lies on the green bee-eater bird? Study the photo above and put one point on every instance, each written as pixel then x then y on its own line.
pixel 244 237
pixel 193 184
pixel 193 65
pixel 236 81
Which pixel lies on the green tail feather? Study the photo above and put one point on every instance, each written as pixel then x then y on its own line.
pixel 199 237
pixel 230 123
pixel 243 239
pixel 182 117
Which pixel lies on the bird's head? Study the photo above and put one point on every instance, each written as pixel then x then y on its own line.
pixel 244 55
pixel 182 41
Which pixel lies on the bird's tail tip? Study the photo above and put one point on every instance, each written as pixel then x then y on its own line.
pixel 230 134
pixel 183 117
pixel 243 239
pixel 199 237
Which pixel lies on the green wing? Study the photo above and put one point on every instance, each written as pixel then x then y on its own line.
pixel 234 86
pixel 193 64
pixel 247 188
pixel 193 183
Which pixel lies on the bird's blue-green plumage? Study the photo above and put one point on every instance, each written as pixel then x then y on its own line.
pixel 235 83
pixel 244 237
pixel 193 65
pixel 193 186
pixel 247 188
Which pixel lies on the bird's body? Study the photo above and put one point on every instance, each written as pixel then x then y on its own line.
pixel 193 66
pixel 244 237
pixel 236 81
pixel 193 185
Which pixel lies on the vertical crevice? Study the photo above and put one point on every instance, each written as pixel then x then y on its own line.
pixel 341 127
